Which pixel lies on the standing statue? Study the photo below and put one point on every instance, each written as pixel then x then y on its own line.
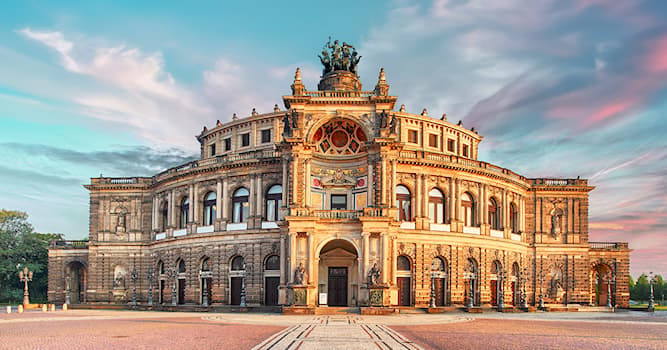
pixel 374 275
pixel 287 125
pixel 392 124
pixel 299 274
pixel 295 118
pixel 121 222
pixel 354 61
pixel 382 121
pixel 326 61
pixel 555 221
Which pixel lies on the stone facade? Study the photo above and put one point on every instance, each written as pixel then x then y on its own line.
pixel 337 199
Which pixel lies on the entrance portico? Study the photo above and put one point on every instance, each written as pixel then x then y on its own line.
pixel 338 273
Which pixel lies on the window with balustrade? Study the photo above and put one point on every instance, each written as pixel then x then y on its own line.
pixel 240 205
pixel 209 208
pixel 404 203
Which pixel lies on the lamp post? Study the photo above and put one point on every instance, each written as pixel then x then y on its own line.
pixel 432 304
pixel 68 286
pixel 501 297
pixel 25 276
pixel 150 274
pixel 204 276
pixel 610 278
pixel 243 303
pixel 541 277
pixel 523 278
pixel 133 277
pixel 470 270
pixel 171 274
pixel 651 307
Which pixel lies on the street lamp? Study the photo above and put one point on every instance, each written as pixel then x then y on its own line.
pixel 651 307
pixel 134 276
pixel 610 278
pixel 25 276
pixel 501 297
pixel 470 270
pixel 541 277
pixel 150 274
pixel 68 286
pixel 523 279
pixel 243 303
pixel 171 274
pixel 432 304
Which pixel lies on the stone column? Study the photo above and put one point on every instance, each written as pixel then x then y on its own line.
pixel 393 182
pixel 457 194
pixel 251 200
pixel 295 181
pixel 370 186
pixel 283 258
pixel 418 195
pixel 452 201
pixel 480 207
pixel 292 256
pixel 154 215
pixel 306 200
pixel 191 207
pixel 383 184
pixel 385 257
pixel 309 258
pixel 285 184
pixel 260 197
pixel 225 199
pixel 172 212
pixel 394 257
pixel 218 199
pixel 425 197
pixel 366 252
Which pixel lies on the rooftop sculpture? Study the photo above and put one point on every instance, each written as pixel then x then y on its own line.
pixel 343 57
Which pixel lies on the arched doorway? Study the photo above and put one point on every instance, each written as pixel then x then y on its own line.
pixel 496 282
pixel 403 280
pixel 75 282
pixel 271 279
pixel 181 281
pixel 237 274
pixel 439 278
pixel 601 276
pixel 338 274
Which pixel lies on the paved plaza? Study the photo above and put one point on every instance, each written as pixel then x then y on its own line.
pixel 106 329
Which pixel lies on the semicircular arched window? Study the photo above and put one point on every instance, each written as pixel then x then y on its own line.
pixel 339 137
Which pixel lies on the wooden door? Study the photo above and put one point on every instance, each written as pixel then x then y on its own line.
pixel 236 290
pixel 271 285
pixel 494 292
pixel 181 291
pixel 403 284
pixel 337 288
pixel 440 292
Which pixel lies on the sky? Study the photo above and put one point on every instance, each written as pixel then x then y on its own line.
pixel 558 88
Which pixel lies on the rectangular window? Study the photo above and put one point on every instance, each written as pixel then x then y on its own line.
pixel 465 150
pixel 245 140
pixel 450 145
pixel 228 144
pixel 212 150
pixel 433 140
pixel 338 202
pixel 412 136
pixel 266 136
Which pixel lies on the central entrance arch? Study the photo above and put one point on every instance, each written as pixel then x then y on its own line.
pixel 338 273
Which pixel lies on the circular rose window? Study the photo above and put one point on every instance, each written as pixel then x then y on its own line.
pixel 339 137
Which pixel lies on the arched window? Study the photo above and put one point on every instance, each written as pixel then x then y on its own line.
pixel 436 206
pixel 209 208
pixel 404 203
pixel 181 266
pixel 514 218
pixel 164 217
pixel 184 212
pixel 206 264
pixel 438 265
pixel 240 205
pixel 272 263
pixel 403 263
pixel 238 264
pixel 468 207
pixel 274 200
pixel 494 214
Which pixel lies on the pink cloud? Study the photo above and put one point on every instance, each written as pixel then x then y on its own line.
pixel 655 60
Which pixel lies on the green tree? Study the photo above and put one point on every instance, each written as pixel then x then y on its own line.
pixel 640 291
pixel 21 247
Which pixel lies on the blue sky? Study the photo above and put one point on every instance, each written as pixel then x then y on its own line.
pixel 561 88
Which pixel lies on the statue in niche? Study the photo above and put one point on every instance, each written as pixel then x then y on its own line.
pixel 119 278
pixel 383 120
pixel 556 291
pixel 287 125
pixel 299 274
pixel 373 275
pixel 121 221
pixel 392 124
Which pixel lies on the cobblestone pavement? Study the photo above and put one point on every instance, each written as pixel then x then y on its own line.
pixel 110 329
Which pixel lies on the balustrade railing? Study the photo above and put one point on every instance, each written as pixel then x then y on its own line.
pixel 69 244
pixel 608 245
pixel 337 214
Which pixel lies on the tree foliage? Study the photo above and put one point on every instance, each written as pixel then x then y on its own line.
pixel 21 247
pixel 640 290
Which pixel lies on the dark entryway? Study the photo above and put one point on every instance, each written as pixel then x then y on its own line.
pixel 271 290
pixel 181 291
pixel 440 297
pixel 163 292
pixel 236 290
pixel 337 286
pixel 494 292
pixel 403 284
